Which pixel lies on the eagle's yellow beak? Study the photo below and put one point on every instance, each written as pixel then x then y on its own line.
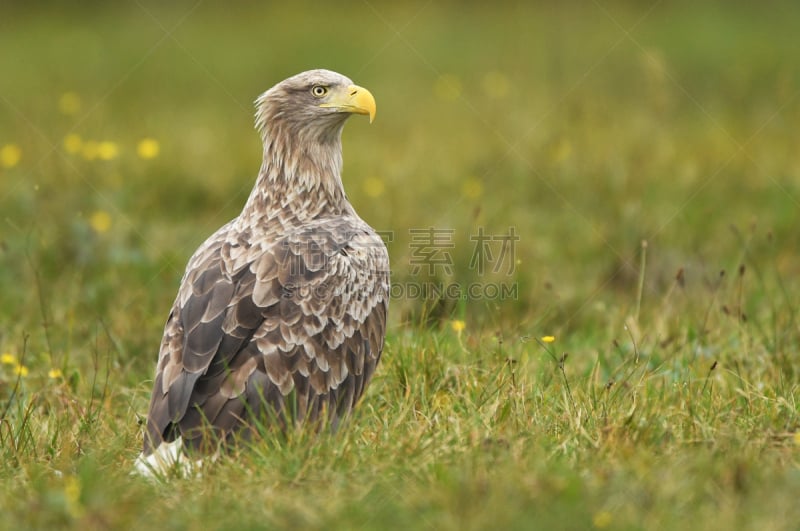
pixel 353 99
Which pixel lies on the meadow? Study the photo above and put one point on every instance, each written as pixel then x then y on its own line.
pixel 592 214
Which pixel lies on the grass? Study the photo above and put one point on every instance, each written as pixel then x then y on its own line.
pixel 669 396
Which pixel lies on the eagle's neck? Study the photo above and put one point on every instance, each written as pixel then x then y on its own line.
pixel 300 177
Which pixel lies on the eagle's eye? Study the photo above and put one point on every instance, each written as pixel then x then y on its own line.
pixel 319 91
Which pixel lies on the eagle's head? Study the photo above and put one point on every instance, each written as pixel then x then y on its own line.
pixel 312 105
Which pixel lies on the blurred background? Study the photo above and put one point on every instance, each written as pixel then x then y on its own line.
pixel 579 128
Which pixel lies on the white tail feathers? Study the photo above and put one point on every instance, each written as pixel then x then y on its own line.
pixel 168 460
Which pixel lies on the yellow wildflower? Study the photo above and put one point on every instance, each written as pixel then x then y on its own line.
pixel 55 374
pixel 148 148
pixel 72 143
pixel 447 87
pixel 548 339
pixel 100 221
pixel 472 188
pixel 72 493
pixel 21 370
pixel 69 103
pixel 10 155
pixel 373 187
pixel 8 359
pixel 458 325
pixel 107 150
pixel 602 519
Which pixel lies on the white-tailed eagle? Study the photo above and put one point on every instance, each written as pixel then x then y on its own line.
pixel 281 314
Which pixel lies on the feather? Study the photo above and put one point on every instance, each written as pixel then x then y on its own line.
pixel 281 314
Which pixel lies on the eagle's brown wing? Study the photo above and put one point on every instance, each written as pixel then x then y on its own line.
pixel 284 331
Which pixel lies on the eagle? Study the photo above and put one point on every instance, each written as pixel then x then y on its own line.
pixel 280 317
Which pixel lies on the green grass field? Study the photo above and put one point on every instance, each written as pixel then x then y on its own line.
pixel 666 391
